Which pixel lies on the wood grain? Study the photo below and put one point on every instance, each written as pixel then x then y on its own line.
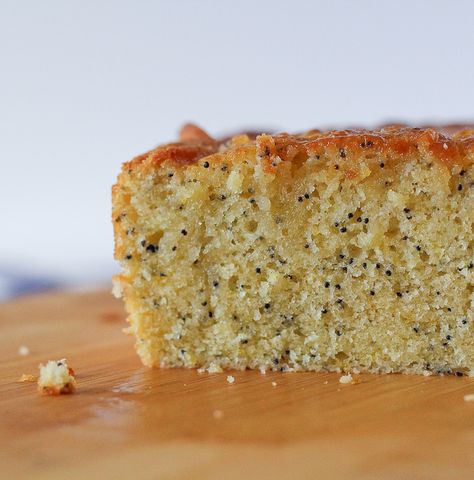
pixel 127 421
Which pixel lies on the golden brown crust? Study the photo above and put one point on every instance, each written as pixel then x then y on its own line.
pixel 190 133
pixel 450 145
pixel 454 149
pixel 178 154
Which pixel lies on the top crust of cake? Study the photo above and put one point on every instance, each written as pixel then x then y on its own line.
pixel 448 145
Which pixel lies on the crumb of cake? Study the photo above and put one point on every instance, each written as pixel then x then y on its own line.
pixel 346 378
pixel 326 382
pixel 469 397
pixel 230 379
pixel 217 414
pixel 274 384
pixel 214 368
pixel 26 377
pixel 23 350
pixel 56 378
pixel 262 370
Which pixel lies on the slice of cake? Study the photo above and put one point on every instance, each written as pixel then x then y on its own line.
pixel 340 250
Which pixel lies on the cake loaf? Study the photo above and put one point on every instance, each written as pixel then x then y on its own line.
pixel 346 250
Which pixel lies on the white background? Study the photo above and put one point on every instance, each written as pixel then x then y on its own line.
pixel 86 85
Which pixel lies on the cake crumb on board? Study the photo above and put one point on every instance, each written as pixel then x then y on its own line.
pixel 274 384
pixel 348 378
pixel 56 378
pixel 217 414
pixel 27 377
pixel 23 350
pixel 230 379
pixel 469 397
pixel 213 368
pixel 345 378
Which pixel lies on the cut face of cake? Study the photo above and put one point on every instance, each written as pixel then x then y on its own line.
pixel 341 250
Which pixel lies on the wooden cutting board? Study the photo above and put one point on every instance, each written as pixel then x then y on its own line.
pixel 127 421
